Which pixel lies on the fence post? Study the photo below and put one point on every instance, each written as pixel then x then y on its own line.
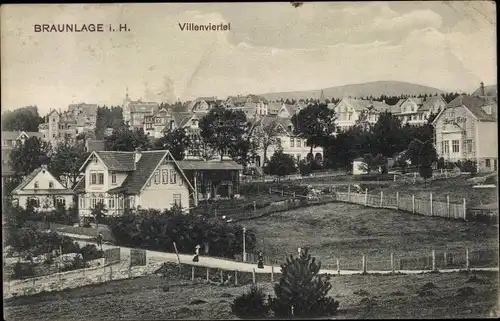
pixel 465 210
pixel 413 204
pixel 433 260
pixel 394 177
pixel 192 273
pixel 221 277
pixel 431 203
pixel 381 198
pixel 208 274
pixel 397 200
pixel 467 259
pixel 349 193
pixel 446 173
pixel 215 212
pixel 293 195
pixel 414 177
pixel 447 205
pixel 366 196
pixel 270 190
pixel 253 276
pixel 130 270
pixel 445 259
pixel 392 262
pixel 364 264
pixel 272 273
pixel 110 273
pixel 338 266
pixel 254 208
pixel 236 277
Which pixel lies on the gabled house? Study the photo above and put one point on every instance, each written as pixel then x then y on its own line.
pixel 287 111
pixel 203 104
pixel 251 105
pixel 416 111
pixel 132 180
pixel 349 110
pixel 467 129
pixel 11 139
pixel 292 144
pixel 154 124
pixel 43 191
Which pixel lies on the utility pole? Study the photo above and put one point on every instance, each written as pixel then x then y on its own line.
pixel 244 250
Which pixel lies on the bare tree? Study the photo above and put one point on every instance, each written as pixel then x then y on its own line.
pixel 267 136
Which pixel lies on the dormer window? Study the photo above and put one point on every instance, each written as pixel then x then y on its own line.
pixel 487 109
pixel 51 184
pixel 37 185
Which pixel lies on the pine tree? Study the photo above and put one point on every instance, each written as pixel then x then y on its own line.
pixel 303 289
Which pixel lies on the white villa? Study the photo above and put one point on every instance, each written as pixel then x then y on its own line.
pixel 43 191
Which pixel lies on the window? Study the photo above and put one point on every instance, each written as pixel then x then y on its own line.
pixel 349 116
pixel 164 176
pixel 93 202
pixel 82 202
pixel 298 157
pixel 487 162
pixel 37 185
pixel 299 142
pixel 53 135
pixel 173 176
pixel 177 199
pixel 157 177
pixel 455 146
pixel 60 201
pixel 111 203
pixel 292 142
pixel 113 179
pixel 468 145
pixel 445 147
pixel 51 184
pixel 34 202
pixel 94 159
pixel 132 201
pixel 100 178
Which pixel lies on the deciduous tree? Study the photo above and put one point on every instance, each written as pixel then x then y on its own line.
pixel 124 139
pixel 223 129
pixel 281 164
pixel 22 119
pixel 66 162
pixel 316 123
pixel 27 157
pixel 176 141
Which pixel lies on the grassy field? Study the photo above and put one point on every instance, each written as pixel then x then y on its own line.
pixel 368 296
pixel 347 231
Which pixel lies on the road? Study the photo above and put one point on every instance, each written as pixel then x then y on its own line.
pixel 226 264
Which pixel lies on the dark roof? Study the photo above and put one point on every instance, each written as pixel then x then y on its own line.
pixel 28 179
pixel 145 167
pixel 118 161
pixel 474 104
pixel 95 145
pixel 488 91
pixel 204 165
pixel 80 186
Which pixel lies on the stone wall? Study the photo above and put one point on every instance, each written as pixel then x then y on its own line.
pixel 74 279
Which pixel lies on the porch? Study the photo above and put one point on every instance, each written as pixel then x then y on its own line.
pixel 215 179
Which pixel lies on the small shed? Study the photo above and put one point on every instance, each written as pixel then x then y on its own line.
pixel 358 166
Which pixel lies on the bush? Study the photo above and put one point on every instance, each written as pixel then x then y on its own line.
pixel 303 288
pixel 158 231
pixel 77 263
pixel 23 270
pixel 90 252
pixel 251 304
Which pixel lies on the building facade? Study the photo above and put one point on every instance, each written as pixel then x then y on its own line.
pixel 132 180
pixel 349 111
pixel 466 129
pixel 416 111
pixel 43 191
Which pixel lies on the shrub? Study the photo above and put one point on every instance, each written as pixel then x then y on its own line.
pixel 158 231
pixel 23 270
pixel 251 304
pixel 303 288
pixel 90 252
pixel 305 168
pixel 77 263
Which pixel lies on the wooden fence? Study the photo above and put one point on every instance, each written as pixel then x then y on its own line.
pixel 411 204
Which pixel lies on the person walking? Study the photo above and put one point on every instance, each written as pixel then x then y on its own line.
pixel 99 240
pixel 260 263
pixel 197 253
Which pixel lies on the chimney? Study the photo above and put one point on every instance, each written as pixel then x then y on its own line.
pixel 482 89
pixel 138 154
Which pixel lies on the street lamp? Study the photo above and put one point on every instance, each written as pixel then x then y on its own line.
pixel 244 251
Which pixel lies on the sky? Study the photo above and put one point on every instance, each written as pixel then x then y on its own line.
pixel 271 47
